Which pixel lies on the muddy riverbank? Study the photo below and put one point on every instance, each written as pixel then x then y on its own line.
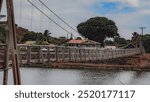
pixel 137 62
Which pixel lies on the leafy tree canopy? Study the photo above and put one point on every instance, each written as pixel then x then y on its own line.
pixel 146 42
pixel 98 29
pixel 78 38
pixel 109 42
pixel 2 34
pixel 120 41
pixel 31 36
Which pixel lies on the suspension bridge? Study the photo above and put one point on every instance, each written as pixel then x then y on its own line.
pixel 12 54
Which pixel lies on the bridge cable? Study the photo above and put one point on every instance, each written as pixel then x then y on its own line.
pixel 20 21
pixel 57 15
pixel 31 19
pixel 48 17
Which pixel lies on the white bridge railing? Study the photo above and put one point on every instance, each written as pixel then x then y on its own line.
pixel 46 54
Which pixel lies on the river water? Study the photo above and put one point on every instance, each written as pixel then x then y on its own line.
pixel 51 76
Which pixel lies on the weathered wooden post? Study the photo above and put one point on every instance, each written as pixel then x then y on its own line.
pixel 19 54
pixel 39 54
pixel 12 42
pixel 6 64
pixel 85 55
pixel 69 54
pixel 63 54
pixel 29 55
pixel 48 55
pixel 75 54
pixel 56 54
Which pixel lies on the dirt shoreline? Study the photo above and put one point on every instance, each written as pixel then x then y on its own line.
pixel 137 62
pixel 98 66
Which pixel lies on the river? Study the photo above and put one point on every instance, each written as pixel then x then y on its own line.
pixel 51 76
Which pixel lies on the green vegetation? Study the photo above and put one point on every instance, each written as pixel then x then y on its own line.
pixel 98 29
pixel 32 36
pixel 109 43
pixel 23 35
pixel 78 38
pixel 41 39
pixel 120 41
pixel 146 42
pixel 2 34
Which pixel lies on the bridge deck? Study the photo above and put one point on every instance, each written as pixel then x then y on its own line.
pixel 45 54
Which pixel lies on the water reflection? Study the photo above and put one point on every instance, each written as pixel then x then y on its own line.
pixel 42 76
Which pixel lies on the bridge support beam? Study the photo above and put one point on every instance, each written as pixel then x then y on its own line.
pixel 11 45
pixel 5 76
pixel 1 2
pixel 13 42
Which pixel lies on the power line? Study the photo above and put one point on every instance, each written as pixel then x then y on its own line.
pixel 48 16
pixel 57 15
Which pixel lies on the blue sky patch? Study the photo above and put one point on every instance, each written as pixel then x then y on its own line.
pixel 127 10
pixel 111 7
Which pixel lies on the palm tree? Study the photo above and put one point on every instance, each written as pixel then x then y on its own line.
pixel 46 35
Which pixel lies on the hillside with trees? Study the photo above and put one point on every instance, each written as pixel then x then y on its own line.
pixel 24 35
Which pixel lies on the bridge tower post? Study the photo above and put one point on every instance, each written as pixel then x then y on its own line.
pixel 1 2
pixel 11 45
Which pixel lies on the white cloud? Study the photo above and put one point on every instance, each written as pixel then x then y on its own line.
pixel 77 11
pixel 134 3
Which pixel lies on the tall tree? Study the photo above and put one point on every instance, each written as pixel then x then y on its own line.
pixel 146 42
pixel 98 28
pixel 120 41
pixel 32 36
pixel 46 35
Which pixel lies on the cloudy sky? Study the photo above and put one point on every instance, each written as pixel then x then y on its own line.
pixel 129 15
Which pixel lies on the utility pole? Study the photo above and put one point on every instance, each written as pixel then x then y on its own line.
pixel 71 36
pixel 142 33
pixel 67 36
pixel 142 28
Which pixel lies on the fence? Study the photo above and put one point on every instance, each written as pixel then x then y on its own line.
pixel 46 54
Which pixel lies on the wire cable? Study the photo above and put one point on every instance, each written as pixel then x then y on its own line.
pixel 20 21
pixel 31 24
pixel 48 17
pixel 57 15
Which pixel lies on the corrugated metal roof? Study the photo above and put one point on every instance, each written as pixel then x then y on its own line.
pixel 76 41
pixel 82 42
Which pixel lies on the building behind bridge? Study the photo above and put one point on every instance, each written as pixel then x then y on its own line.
pixel 83 43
